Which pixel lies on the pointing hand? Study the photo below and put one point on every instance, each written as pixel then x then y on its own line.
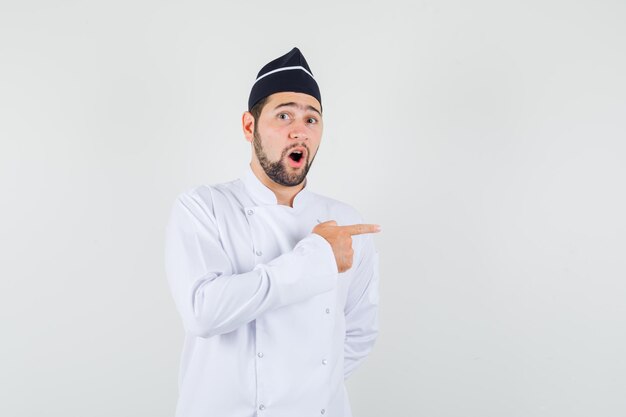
pixel 340 239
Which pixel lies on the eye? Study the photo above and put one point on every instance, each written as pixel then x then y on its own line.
pixel 283 116
pixel 311 120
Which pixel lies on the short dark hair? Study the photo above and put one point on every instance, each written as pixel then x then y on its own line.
pixel 258 108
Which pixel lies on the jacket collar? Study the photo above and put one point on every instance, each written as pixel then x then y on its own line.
pixel 262 195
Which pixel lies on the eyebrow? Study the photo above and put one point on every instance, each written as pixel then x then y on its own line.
pixel 300 106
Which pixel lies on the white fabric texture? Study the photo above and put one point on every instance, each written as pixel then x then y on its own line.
pixel 271 328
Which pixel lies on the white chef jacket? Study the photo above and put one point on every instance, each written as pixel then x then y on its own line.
pixel 271 328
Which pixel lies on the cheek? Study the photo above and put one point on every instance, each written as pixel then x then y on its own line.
pixel 272 145
pixel 315 145
pixel 277 152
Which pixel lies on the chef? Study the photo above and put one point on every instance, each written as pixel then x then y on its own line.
pixel 276 286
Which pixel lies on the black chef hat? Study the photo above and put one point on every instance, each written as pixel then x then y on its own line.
pixel 289 72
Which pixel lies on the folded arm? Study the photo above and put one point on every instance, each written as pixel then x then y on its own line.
pixel 210 299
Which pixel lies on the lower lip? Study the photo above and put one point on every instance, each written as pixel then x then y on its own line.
pixel 295 164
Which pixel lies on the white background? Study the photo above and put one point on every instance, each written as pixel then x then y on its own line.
pixel 486 137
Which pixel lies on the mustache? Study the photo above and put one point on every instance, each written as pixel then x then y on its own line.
pixel 303 145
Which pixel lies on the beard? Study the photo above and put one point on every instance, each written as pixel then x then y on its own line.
pixel 279 171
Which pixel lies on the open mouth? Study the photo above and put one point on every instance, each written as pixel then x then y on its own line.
pixel 296 156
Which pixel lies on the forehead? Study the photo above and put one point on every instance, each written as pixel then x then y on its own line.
pixel 300 99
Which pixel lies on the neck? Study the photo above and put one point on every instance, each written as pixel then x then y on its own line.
pixel 284 194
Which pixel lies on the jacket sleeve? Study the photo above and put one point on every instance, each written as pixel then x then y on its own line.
pixel 211 300
pixel 361 310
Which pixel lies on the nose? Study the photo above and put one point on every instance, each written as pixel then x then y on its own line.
pixel 298 131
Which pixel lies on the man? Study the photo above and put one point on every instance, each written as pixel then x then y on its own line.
pixel 277 286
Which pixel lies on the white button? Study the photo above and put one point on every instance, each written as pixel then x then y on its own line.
pixel 260 354
pixel 261 407
pixel 323 411
pixel 250 212
pixel 324 361
pixel 327 310
pixel 259 253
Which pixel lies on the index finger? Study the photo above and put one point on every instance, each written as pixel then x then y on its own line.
pixel 359 229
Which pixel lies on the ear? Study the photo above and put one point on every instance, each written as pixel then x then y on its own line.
pixel 247 123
